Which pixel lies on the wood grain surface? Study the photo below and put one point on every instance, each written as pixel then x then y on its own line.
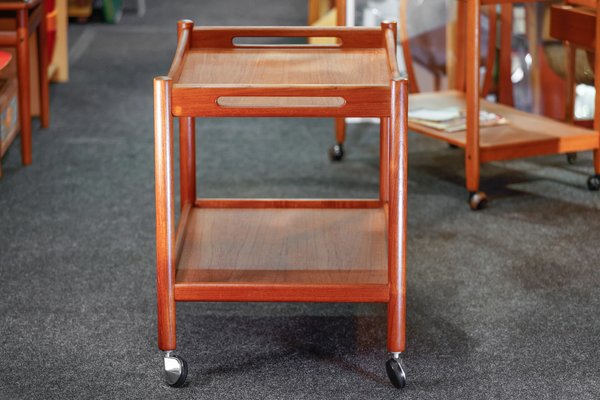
pixel 525 135
pixel 244 67
pixel 285 240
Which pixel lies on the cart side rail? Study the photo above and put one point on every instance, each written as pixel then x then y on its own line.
pixel 224 37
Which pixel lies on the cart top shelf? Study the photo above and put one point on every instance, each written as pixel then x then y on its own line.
pixel 246 67
pixel 214 76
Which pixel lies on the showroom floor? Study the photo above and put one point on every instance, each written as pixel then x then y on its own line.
pixel 503 303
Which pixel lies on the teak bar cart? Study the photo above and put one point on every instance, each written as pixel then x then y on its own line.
pixel 525 135
pixel 26 17
pixel 287 250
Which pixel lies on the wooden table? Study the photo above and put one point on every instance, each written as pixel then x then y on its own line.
pixel 29 17
pixel 525 135
pixel 321 250
pixel 4 61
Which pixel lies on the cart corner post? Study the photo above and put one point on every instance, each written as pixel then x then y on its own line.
pixel 396 341
pixel 472 98
pixel 184 25
pixel 597 86
pixel 165 213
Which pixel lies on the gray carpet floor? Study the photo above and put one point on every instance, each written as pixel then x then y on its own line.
pixel 502 304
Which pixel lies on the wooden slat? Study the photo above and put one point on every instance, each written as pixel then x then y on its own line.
pixel 18 5
pixel 358 293
pixel 222 37
pixel 360 101
pixel 288 203
pixel 574 24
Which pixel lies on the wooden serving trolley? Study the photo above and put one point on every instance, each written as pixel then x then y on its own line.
pixel 287 250
pixel 525 135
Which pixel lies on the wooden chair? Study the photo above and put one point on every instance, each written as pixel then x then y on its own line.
pixel 25 18
pixel 266 239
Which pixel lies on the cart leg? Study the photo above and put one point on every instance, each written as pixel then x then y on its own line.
pixel 336 152
pixel 477 199
pixel 23 75
pixel 396 340
pixel 165 228
pixel 384 159
pixel 187 160
pixel 43 71
pixel 594 180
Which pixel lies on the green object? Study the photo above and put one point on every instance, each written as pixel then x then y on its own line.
pixel 112 10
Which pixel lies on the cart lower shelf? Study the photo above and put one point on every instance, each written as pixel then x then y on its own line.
pixel 283 254
pixel 525 134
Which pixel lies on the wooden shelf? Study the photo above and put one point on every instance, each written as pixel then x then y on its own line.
pixel 525 134
pixel 288 66
pixel 285 252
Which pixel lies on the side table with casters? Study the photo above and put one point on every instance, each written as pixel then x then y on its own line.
pixel 255 250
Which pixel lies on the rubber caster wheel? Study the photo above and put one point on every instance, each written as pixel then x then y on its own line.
pixel 571 158
pixel 176 370
pixel 336 152
pixel 477 200
pixel 593 182
pixel 395 372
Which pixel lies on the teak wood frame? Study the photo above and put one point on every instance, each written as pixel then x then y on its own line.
pixel 187 101
pixel 30 17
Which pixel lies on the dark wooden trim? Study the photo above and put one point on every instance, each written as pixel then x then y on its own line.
pixel 288 203
pixel 274 292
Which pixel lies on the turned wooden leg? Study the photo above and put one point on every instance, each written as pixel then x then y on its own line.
pixel 396 340
pixel 165 213
pixel 43 71
pixel 384 159
pixel 187 160
pixel 23 76
pixel 477 199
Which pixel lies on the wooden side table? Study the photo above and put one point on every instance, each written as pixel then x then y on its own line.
pixel 29 17
pixel 271 250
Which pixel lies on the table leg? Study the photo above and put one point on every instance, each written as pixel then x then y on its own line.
pixel 43 71
pixel 24 87
pixel 165 214
pixel 384 159
pixel 396 338
pixel 187 160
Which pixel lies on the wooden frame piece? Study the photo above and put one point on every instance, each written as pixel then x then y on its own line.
pixel 30 19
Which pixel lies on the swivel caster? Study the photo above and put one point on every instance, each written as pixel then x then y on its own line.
pixel 571 158
pixel 336 152
pixel 593 182
pixel 395 371
pixel 176 370
pixel 477 200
